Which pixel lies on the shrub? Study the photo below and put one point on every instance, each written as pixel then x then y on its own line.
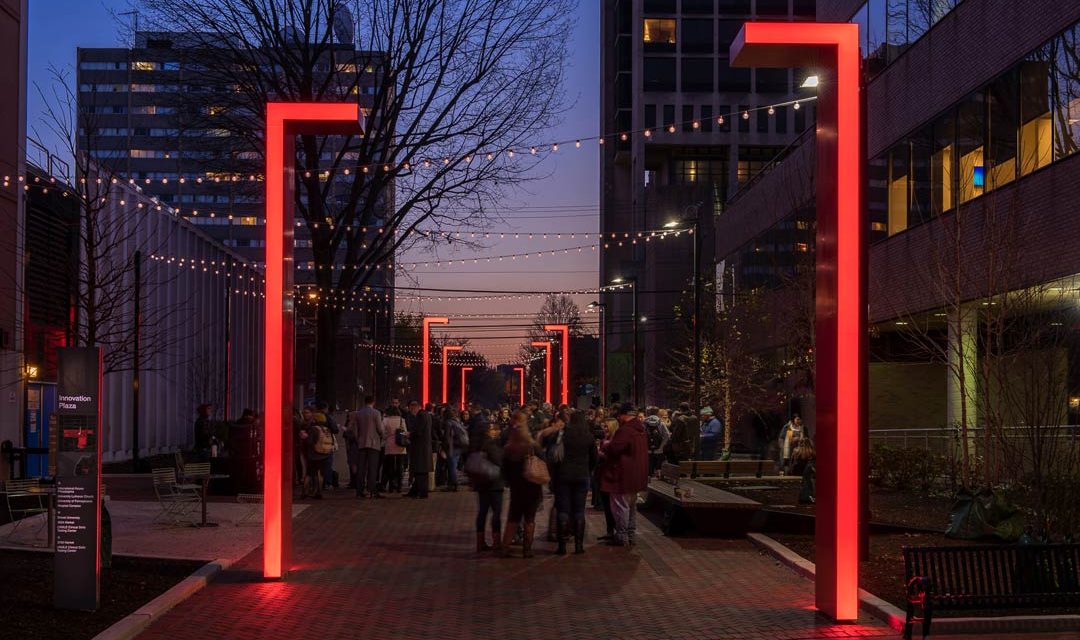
pixel 904 468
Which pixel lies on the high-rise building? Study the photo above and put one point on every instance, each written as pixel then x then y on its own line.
pixel 683 132
pixel 973 129
pixel 150 115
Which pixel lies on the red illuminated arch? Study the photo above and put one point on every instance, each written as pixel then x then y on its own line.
pixel 840 304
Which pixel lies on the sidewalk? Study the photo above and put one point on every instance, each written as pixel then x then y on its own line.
pixel 399 568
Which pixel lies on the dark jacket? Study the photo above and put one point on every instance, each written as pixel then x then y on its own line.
pixel 419 442
pixel 579 455
pixel 625 466
pixel 481 441
pixel 684 436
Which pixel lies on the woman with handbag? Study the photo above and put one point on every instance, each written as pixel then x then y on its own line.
pixel 484 468
pixel 395 450
pixel 526 473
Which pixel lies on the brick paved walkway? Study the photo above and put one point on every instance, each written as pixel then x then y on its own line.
pixel 401 569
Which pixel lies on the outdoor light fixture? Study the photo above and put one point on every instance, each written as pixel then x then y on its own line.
pixel 671 224
pixel 425 371
pixel 464 370
pixel 546 346
pixel 445 369
pixel 284 121
pixel 840 291
pixel 565 331
pixel 521 385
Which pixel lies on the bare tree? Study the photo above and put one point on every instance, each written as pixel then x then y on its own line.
pixel 104 274
pixel 450 89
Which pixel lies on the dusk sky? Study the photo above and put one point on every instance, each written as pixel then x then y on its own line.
pixel 563 200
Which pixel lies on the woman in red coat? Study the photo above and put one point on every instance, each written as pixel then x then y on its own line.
pixel 625 472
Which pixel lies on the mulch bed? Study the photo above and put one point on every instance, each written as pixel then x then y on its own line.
pixel 26 609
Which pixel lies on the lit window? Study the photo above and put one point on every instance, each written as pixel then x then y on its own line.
pixel 659 31
pixel 144 66
pixel 247 220
pixel 878 226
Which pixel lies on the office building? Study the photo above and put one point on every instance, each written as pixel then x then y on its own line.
pixel 683 130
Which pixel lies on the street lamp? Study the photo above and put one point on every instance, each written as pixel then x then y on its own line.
pixel 546 346
pixel 565 365
pixel 521 385
pixel 603 349
pixel 445 369
pixel 695 229
pixel 635 379
pixel 464 370
pixel 425 379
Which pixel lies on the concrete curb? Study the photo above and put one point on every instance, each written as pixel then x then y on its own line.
pixel 136 622
pixel 868 602
pixel 895 618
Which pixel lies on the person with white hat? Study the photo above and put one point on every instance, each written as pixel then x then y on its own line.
pixel 712 430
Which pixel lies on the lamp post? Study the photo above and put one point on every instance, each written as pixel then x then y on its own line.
pixel 563 329
pixel 445 369
pixel 425 372
pixel 464 370
pixel 521 385
pixel 635 379
pixel 603 349
pixel 546 346
pixel 695 229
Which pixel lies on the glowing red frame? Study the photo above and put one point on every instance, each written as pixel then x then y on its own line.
pixel 464 370
pixel 425 371
pixel 546 346
pixel 521 385
pixel 565 342
pixel 284 121
pixel 840 305
pixel 445 370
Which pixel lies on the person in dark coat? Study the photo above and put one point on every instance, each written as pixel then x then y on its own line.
pixel 625 472
pixel 419 450
pixel 571 477
pixel 525 496
pixel 489 492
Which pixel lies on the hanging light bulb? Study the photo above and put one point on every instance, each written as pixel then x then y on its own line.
pixel 720 120
pixel 555 147
pixel 671 128
pixel 577 144
pixel 796 105
pixel 772 111
pixel 647 133
pixel 745 115
pixel 600 141
pixel 623 137
pixel 697 125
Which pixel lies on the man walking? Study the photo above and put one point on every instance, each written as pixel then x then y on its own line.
pixel 419 450
pixel 625 472
pixel 366 425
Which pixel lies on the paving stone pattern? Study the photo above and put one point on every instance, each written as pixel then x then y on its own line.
pixel 399 568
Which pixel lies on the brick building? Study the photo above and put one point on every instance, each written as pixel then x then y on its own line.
pixel 972 176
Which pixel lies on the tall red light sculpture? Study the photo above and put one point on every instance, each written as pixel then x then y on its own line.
pixel 840 305
pixel 425 371
pixel 521 385
pixel 546 346
pixel 464 370
pixel 565 341
pixel 284 121
pixel 445 367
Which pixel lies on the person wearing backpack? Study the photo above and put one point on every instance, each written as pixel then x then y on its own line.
pixel 318 446
pixel 658 436
pixel 484 468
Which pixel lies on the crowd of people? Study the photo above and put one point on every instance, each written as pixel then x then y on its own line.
pixel 524 451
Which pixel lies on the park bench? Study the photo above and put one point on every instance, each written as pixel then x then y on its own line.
pixel 992 577
pixel 691 503
pixel 728 468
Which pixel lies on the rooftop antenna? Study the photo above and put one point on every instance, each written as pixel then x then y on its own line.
pixel 134 24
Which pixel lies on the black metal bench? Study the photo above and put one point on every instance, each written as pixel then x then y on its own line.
pixel 990 577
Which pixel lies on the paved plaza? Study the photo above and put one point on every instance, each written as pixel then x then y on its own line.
pixel 399 568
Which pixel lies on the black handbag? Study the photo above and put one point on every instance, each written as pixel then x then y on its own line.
pixel 401 438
